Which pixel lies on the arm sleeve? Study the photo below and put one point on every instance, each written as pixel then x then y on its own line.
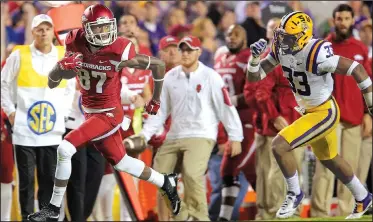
pixel 9 75
pixel 155 122
pixel 224 109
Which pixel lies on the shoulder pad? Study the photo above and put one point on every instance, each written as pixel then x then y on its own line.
pixel 320 51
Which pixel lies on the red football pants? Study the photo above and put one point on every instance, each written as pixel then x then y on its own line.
pixel 103 130
pixel 231 166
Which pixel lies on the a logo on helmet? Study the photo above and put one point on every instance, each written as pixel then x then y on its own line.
pixel 187 39
pixel 170 39
pixel 102 19
pixel 84 19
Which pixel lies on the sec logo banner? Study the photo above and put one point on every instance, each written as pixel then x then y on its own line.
pixel 41 117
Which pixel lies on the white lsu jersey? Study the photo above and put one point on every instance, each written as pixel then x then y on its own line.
pixel 308 71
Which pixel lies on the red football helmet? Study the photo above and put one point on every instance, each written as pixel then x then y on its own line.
pixel 99 25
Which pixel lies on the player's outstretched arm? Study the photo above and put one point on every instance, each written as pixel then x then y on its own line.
pixel 57 74
pixel 345 66
pixel 257 72
pixel 66 68
pixel 350 67
pixel 156 65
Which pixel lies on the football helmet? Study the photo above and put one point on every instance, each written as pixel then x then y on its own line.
pixel 99 25
pixel 294 32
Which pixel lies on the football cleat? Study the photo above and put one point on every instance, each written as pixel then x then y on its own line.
pixel 361 207
pixel 169 188
pixel 47 213
pixel 290 205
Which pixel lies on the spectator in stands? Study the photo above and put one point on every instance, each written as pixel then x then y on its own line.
pixel 38 119
pixel 277 9
pixel 365 34
pixel 20 24
pixel 176 16
pixel 273 101
pixel 204 29
pixel 228 19
pixel 179 31
pixel 128 27
pixel 253 24
pixel 154 28
pixel 354 123
pixel 197 9
pixel 194 125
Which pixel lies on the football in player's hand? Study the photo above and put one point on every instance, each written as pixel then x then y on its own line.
pixel 134 145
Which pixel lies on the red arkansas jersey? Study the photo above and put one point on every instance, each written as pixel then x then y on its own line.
pixel 99 80
pixel 135 81
pixel 232 68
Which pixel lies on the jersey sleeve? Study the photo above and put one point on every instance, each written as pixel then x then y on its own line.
pixel 321 59
pixel 127 51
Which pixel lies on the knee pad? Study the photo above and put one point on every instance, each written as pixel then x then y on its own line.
pixel 65 150
pixel 229 181
pixel 130 165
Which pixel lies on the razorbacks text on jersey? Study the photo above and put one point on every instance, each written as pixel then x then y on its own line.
pixel 98 78
pixel 310 84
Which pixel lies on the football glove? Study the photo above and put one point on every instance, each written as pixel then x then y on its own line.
pixel 258 47
pixel 152 107
pixel 71 61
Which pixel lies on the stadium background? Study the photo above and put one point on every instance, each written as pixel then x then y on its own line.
pixel 176 17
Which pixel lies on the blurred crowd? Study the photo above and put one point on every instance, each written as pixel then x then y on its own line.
pixel 206 20
pixel 147 22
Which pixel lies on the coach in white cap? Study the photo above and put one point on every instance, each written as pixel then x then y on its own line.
pixel 35 111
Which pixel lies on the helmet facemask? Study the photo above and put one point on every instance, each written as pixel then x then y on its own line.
pixel 106 32
pixel 288 43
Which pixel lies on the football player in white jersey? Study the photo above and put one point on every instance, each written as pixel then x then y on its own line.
pixel 307 64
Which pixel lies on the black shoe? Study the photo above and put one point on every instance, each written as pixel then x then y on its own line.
pixel 222 219
pixel 47 213
pixel 170 189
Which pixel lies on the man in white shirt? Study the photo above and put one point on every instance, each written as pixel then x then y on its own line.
pixel 195 97
pixel 35 112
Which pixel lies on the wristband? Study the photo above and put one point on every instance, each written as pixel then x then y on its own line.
pixel 54 80
pixel 147 67
pixel 158 80
pixel 253 69
pixel 365 84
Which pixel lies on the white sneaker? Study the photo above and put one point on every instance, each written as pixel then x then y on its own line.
pixel 361 207
pixel 290 205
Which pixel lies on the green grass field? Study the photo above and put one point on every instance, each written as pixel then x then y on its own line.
pixel 364 218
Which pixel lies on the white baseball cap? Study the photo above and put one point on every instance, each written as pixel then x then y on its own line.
pixel 40 19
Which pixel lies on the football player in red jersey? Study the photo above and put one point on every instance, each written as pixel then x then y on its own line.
pixel 97 55
pixel 231 65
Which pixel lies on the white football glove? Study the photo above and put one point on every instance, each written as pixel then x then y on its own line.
pixel 258 47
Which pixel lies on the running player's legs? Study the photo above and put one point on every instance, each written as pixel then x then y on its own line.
pixel 317 128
